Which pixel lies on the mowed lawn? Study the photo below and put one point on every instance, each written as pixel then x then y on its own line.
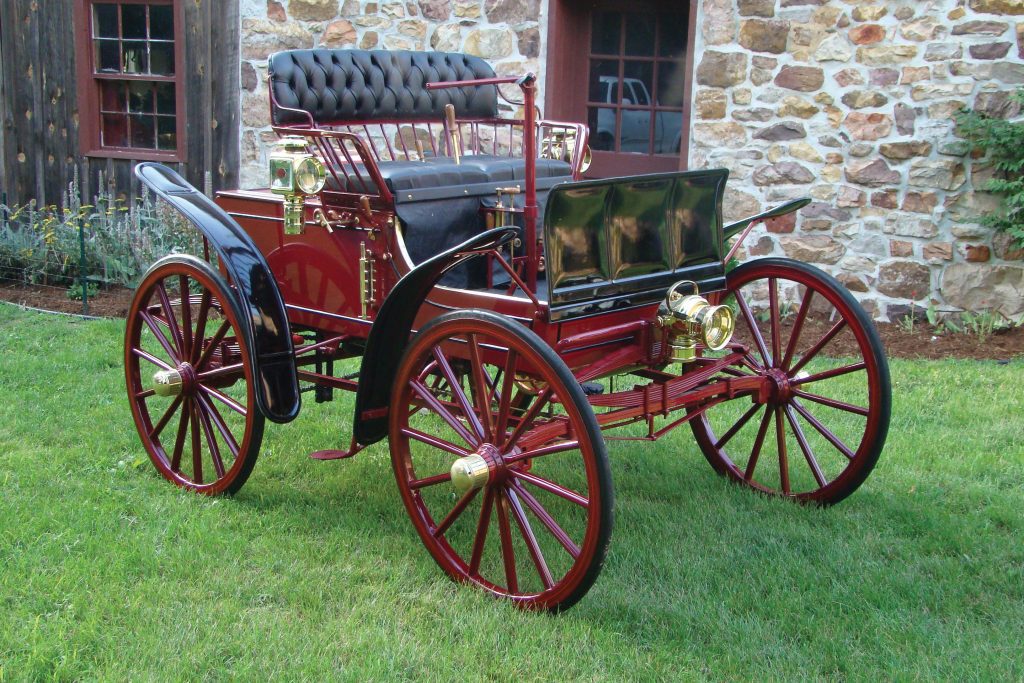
pixel 314 572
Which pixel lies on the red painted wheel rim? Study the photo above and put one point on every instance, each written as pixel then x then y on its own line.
pixel 537 532
pixel 205 439
pixel 819 432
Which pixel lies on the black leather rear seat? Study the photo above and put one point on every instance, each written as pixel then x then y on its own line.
pixel 444 172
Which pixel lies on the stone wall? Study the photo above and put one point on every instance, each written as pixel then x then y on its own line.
pixel 504 32
pixel 852 103
pixel 848 101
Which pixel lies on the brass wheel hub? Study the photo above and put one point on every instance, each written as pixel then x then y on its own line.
pixel 180 380
pixel 478 469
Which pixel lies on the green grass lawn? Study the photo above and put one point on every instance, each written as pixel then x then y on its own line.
pixel 313 570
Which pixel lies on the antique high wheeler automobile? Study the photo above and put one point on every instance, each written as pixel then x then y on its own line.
pixel 502 311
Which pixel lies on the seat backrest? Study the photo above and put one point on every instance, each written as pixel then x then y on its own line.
pixel 343 86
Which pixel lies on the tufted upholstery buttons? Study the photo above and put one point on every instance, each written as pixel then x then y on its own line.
pixel 339 86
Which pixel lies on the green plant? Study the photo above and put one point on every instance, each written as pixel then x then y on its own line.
pixel 121 239
pixel 1003 141
pixel 985 323
pixel 74 292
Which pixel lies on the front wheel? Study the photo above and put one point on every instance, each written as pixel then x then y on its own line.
pixel 190 377
pixel 817 434
pixel 500 461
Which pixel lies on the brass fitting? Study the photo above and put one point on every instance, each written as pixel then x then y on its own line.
pixel 167 383
pixel 691 320
pixel 469 472
pixel 294 173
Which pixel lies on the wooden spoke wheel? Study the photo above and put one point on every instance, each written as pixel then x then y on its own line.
pixel 818 432
pixel 509 492
pixel 190 378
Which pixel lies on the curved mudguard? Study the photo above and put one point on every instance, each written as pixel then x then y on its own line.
pixel 789 207
pixel 390 331
pixel 258 298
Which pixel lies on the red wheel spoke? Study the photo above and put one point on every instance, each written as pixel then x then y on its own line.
pixel 806 448
pixel 479 385
pixel 752 324
pixel 146 393
pixel 773 310
pixel 211 441
pixel 545 450
pixel 218 421
pixel 551 487
pixel 215 341
pixel 508 555
pixel 794 336
pixel 780 438
pixel 824 431
pixel 828 374
pixel 416 484
pixel 505 399
pixel 172 321
pixel 814 350
pixel 197 448
pixel 456 512
pixel 226 400
pixel 547 520
pixel 168 414
pixel 755 451
pixel 179 441
pixel 531 539
pixel 531 414
pixel 832 403
pixel 738 426
pixel 204 312
pixel 459 394
pixel 186 316
pixel 145 355
pixel 435 405
pixel 159 334
pixel 434 441
pixel 481 532
pixel 223 371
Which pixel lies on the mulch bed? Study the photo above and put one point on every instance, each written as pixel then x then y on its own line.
pixel 899 342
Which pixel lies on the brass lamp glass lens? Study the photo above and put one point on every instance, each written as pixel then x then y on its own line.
pixel 310 175
pixel 718 327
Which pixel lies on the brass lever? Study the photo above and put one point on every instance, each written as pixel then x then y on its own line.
pixel 454 133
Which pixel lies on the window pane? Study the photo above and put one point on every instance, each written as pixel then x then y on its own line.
pixel 161 59
pixel 604 81
pixel 671 83
pixel 602 128
pixel 140 97
pixel 672 41
pixel 105 23
pixel 108 56
pixel 112 96
pixel 165 100
pixel 136 61
pixel 143 131
pixel 636 131
pixel 133 21
pixel 640 35
pixel 605 31
pixel 167 134
pixel 114 132
pixel 161 22
pixel 640 78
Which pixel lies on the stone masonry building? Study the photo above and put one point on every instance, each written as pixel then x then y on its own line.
pixel 850 102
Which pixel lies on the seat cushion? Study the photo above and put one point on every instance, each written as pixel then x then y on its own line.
pixel 444 172
pixel 499 169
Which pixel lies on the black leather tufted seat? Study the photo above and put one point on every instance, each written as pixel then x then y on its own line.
pixel 340 86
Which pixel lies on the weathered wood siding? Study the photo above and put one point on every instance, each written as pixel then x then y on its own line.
pixel 39 144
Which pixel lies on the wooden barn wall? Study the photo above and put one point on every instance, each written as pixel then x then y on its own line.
pixel 39 145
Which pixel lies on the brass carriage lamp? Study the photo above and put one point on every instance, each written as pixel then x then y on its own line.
pixel 692 320
pixel 294 173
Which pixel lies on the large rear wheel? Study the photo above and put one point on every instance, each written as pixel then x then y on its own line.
pixel 190 377
pixel 500 461
pixel 818 432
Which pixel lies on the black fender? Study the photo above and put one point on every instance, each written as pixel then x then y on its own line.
pixel 789 207
pixel 257 296
pixel 391 328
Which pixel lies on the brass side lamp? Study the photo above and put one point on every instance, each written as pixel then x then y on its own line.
pixel 691 320
pixel 294 173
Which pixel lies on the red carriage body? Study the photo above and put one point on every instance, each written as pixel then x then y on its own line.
pixel 505 312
